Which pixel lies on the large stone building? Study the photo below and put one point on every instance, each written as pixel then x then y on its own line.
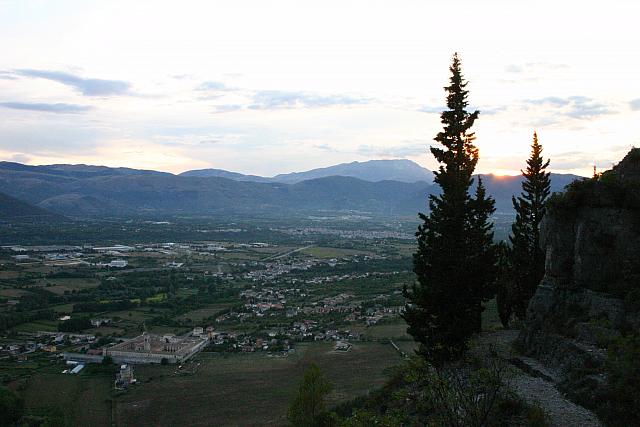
pixel 149 348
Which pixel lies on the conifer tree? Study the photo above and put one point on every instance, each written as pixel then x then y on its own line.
pixel 482 262
pixel 443 305
pixel 527 256
pixel 504 282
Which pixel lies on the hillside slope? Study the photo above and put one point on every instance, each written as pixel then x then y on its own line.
pixel 80 190
pixel 12 209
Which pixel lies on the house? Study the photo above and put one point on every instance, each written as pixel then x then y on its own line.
pixel 99 322
pixel 118 263
pixel 124 378
pixel 77 369
pixel 342 346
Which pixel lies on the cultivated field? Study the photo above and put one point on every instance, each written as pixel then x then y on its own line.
pixel 204 313
pixel 60 286
pixel 248 389
pixel 84 400
pixel 327 252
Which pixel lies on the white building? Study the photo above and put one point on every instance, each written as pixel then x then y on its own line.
pixel 118 263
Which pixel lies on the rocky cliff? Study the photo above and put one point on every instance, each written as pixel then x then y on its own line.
pixel 590 293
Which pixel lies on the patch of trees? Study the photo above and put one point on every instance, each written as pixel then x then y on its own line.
pixel 67 275
pixel 75 324
pixel 37 298
pixel 10 319
pixel 96 307
pixel 457 265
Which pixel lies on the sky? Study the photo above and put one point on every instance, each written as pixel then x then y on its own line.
pixel 268 87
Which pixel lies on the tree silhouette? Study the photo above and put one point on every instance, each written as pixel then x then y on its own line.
pixel 527 256
pixel 309 408
pixel 454 241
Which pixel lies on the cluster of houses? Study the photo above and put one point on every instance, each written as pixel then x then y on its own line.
pixel 345 234
pixel 272 270
pixel 49 342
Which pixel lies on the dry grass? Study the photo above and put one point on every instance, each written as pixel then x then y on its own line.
pixel 248 389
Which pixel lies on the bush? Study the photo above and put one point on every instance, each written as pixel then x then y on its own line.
pixel 75 324
pixel 632 300
pixel 11 407
pixel 473 393
pixel 308 408
pixel 620 406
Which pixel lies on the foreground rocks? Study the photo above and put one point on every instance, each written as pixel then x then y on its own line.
pixel 590 292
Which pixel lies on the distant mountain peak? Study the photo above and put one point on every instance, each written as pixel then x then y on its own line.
pixel 402 170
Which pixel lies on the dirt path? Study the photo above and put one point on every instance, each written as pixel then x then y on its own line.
pixel 534 384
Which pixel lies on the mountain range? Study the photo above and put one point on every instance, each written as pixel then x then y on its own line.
pixel 401 170
pixel 378 187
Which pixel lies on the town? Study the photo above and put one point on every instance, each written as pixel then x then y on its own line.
pixel 131 310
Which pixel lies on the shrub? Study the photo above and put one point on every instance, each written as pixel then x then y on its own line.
pixel 11 407
pixel 620 407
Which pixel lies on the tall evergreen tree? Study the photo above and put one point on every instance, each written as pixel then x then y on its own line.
pixel 504 282
pixel 482 262
pixel 443 304
pixel 527 256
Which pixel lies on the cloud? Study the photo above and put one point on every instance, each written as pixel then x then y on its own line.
pixel 276 99
pixel 4 75
pixel 585 160
pixel 20 158
pixel 513 68
pixel 576 107
pixel 635 104
pixel 49 108
pixel 324 147
pixel 552 100
pixel 214 86
pixel 431 109
pixel 490 111
pixel 532 66
pixel 218 109
pixel 87 87
pixel 407 149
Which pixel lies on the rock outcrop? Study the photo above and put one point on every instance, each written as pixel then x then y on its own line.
pixel 590 293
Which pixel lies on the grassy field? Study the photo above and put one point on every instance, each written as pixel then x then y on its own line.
pixel 405 249
pixel 248 389
pixel 326 252
pixel 204 313
pixel 63 308
pixel 9 274
pixel 38 325
pixel 62 285
pixel 134 315
pixel 396 329
pixel 85 399
pixel 239 256
pixel 12 293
